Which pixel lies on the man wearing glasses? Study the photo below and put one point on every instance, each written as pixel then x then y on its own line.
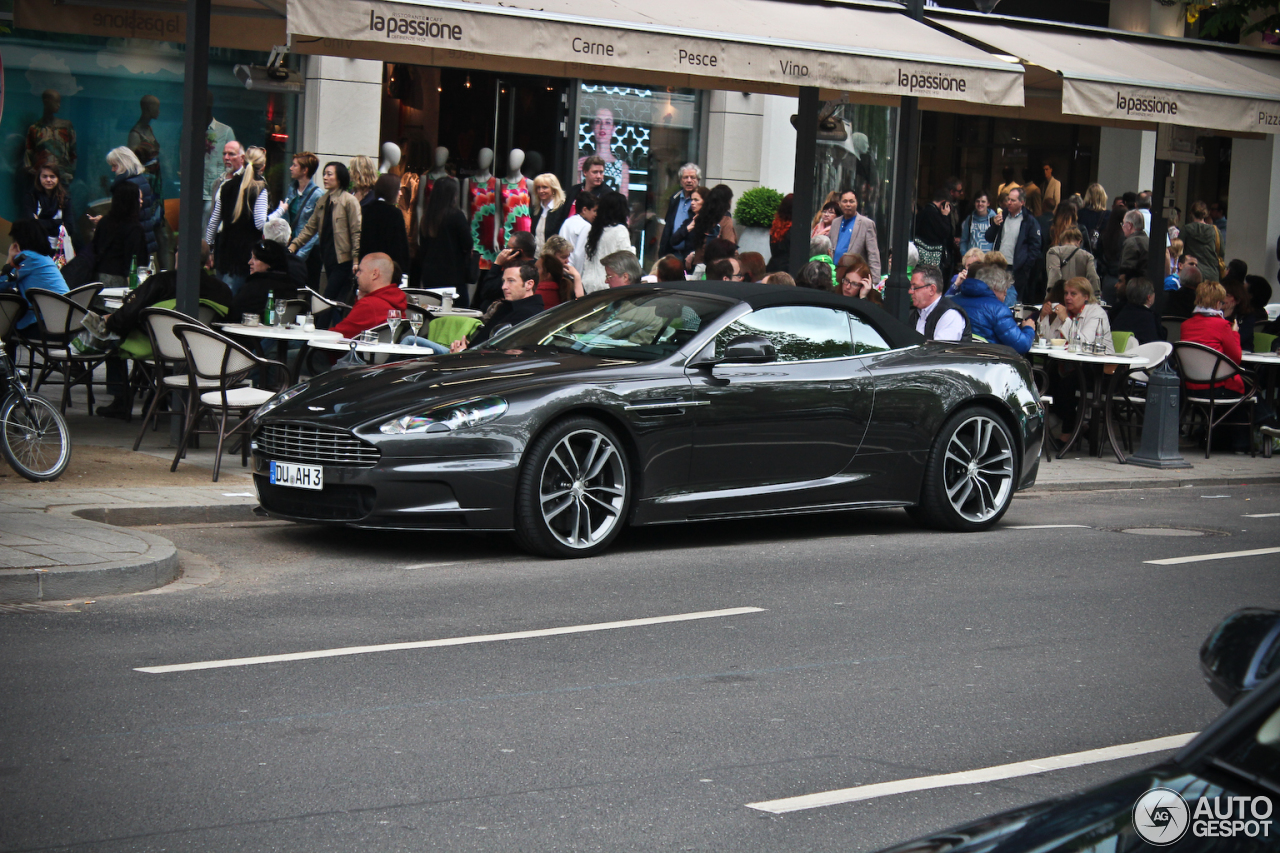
pixel 932 314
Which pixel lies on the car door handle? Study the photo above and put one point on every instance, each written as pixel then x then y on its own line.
pixel 665 404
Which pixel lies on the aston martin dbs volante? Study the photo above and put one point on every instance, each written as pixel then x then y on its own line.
pixel 656 404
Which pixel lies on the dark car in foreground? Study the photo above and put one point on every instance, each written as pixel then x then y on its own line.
pixel 650 405
pixel 1219 793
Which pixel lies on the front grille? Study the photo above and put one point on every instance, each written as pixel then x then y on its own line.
pixel 332 503
pixel 314 445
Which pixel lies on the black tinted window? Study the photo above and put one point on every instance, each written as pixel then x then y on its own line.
pixel 798 332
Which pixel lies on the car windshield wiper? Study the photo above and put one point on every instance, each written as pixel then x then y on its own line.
pixel 1241 773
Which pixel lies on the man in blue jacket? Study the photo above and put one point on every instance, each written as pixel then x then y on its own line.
pixel 982 298
pixel 1016 235
pixel 30 265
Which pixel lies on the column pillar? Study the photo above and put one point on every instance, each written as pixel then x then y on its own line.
pixel 734 130
pixel 1253 213
pixel 342 108
pixel 1126 159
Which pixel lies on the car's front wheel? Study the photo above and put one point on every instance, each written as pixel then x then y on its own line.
pixel 574 490
pixel 969 480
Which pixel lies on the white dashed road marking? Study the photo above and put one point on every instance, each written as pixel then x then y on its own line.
pixel 450 641
pixel 1224 555
pixel 972 777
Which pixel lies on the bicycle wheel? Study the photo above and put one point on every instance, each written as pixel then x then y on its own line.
pixel 34 438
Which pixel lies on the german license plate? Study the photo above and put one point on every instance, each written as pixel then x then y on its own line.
pixel 297 476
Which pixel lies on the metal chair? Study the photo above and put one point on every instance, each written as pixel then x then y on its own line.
pixel 12 307
pixel 85 293
pixel 1197 364
pixel 59 320
pixel 215 358
pixel 425 297
pixel 167 357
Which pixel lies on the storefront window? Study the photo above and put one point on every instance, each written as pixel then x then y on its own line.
pixel 860 154
pixel 645 136
pixel 103 93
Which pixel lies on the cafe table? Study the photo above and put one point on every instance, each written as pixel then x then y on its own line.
pixel 1098 398
pixel 1268 364
pixel 343 345
pixel 283 336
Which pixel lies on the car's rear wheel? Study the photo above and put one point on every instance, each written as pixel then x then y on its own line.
pixel 574 490
pixel 969 480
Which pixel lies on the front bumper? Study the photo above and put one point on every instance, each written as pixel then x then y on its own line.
pixel 446 493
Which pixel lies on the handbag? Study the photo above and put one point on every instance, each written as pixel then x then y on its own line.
pixel 929 254
pixel 1222 267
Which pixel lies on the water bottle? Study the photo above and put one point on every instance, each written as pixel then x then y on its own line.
pixel 1099 342
pixel 404 282
pixel 133 273
pixel 1074 344
pixel 271 308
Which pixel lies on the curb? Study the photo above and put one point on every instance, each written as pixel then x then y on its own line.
pixel 1178 483
pixel 156 566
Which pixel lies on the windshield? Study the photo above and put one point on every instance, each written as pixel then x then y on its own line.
pixel 634 324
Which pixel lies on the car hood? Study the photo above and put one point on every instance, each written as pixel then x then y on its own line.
pixel 347 398
pixel 1070 823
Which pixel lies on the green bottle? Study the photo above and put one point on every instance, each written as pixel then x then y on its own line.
pixel 271 307
pixel 133 273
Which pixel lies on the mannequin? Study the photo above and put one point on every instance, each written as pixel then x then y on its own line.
pixel 51 141
pixel 481 194
pixel 439 170
pixel 217 136
pixel 142 141
pixel 515 197
pixel 390 157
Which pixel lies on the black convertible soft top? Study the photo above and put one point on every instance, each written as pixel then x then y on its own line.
pixel 761 295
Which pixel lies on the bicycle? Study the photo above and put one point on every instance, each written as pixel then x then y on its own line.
pixel 34 437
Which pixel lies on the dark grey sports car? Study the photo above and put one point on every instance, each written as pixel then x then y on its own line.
pixel 653 404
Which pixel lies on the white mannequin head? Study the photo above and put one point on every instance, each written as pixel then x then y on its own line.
pixel 390 156
pixel 514 161
pixel 485 159
pixel 442 157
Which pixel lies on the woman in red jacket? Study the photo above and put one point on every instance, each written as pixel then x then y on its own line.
pixel 1207 326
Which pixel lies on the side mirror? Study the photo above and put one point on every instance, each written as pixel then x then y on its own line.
pixel 749 349
pixel 1241 652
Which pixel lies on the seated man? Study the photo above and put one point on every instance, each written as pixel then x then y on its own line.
pixel 621 269
pixel 30 265
pixel 520 250
pixel 520 302
pixel 932 314
pixel 1182 302
pixel 124 325
pixel 982 298
pixel 379 292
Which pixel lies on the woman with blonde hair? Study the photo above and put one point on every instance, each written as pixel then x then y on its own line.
pixel 1078 316
pixel 548 208
pixel 364 174
pixel 1092 218
pixel 239 213
pixel 128 168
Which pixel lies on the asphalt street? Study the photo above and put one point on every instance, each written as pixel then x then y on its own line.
pixel 860 650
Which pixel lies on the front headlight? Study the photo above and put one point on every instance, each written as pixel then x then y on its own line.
pixel 287 394
pixel 448 418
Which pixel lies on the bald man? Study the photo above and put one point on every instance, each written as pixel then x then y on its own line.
pixel 378 294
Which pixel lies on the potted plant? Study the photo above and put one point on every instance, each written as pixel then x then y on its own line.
pixel 752 215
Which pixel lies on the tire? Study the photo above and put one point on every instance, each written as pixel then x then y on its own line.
pixel 36 444
pixel 574 490
pixel 971 475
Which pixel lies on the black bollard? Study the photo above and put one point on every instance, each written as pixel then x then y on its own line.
pixel 1160 423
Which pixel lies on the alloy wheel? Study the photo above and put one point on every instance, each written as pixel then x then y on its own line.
pixel 978 469
pixel 583 487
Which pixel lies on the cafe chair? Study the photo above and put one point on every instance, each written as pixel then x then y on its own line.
pixel 59 319
pixel 85 293
pixel 215 358
pixel 12 307
pixel 1130 402
pixel 447 329
pixel 318 303
pixel 1172 327
pixel 1262 342
pixel 426 298
pixel 1201 365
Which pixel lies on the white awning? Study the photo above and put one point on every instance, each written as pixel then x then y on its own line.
pixel 875 49
pixel 1107 75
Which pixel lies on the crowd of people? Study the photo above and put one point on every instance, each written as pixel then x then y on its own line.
pixel 344 234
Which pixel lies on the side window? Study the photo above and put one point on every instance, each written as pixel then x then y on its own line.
pixel 799 332
pixel 866 339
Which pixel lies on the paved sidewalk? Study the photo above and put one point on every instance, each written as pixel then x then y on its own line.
pixel 80 536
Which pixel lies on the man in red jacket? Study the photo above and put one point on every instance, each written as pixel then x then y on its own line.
pixel 379 293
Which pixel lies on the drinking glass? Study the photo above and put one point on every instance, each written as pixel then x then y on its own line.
pixel 393 320
pixel 415 323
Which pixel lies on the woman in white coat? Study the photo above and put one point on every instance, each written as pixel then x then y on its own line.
pixel 608 234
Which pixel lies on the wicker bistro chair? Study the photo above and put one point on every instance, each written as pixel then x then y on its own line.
pixel 426 298
pixel 1130 401
pixel 12 307
pixel 1201 365
pixel 215 358
pixel 60 320
pixel 85 294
